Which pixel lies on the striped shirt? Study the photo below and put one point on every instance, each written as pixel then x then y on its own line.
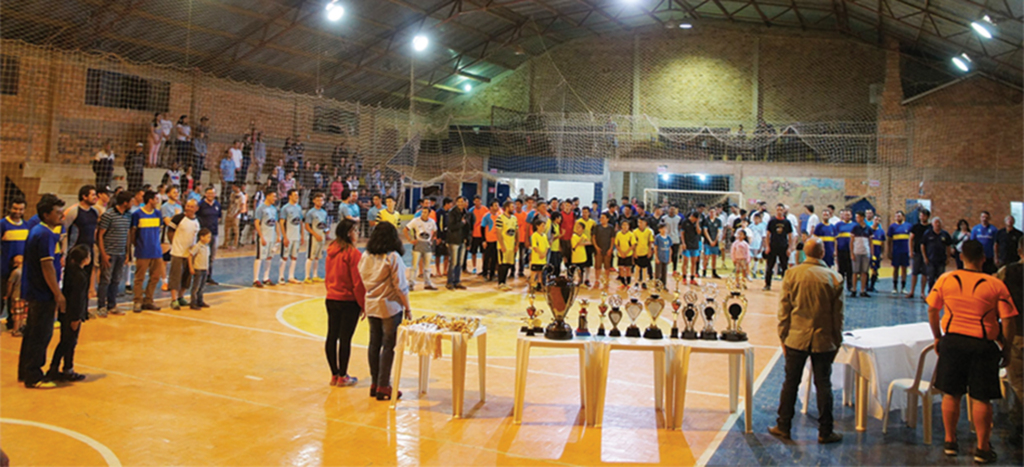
pixel 115 226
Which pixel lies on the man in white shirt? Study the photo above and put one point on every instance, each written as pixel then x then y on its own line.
pixel 812 219
pixel 236 153
pixel 185 230
pixel 420 232
pixel 834 220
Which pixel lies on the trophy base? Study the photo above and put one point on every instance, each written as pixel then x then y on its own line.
pixel 525 329
pixel 632 331
pixel 601 331
pixel 675 333
pixel 709 335
pixel 653 333
pixel 530 332
pixel 558 331
pixel 538 330
pixel 689 335
pixel 582 333
pixel 734 336
pixel 614 333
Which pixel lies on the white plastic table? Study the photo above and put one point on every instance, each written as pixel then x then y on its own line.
pixel 679 351
pixel 601 349
pixel 459 349
pixel 523 346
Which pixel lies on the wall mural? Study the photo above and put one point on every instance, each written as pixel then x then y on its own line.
pixel 795 191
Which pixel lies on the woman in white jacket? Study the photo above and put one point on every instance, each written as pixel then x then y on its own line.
pixel 387 302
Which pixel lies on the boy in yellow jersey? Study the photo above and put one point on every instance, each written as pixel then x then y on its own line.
pixel 644 238
pixel 625 243
pixel 539 247
pixel 587 242
pixel 507 227
pixel 579 251
pixel 389 214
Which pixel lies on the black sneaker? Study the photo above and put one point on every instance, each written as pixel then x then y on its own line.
pixel 72 377
pixel 950 448
pixel 853 294
pixel 831 438
pixel 865 295
pixel 985 457
pixel 212 282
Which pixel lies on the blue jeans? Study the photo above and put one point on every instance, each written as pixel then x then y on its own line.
pixel 381 351
pixel 110 282
pixel 456 251
pixel 198 287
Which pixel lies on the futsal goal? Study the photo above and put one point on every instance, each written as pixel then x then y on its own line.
pixel 687 200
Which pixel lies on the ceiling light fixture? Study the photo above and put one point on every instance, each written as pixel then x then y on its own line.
pixel 420 42
pixel 963 62
pixel 467 87
pixel 335 11
pixel 981 29
pixel 685 26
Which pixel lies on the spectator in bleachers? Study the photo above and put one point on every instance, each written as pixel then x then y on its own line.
pixel 259 156
pixel 154 139
pixel 243 170
pixel 198 161
pixel 183 146
pixel 134 167
pixel 103 164
pixel 227 176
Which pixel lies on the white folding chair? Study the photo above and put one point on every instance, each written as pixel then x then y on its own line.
pixel 914 388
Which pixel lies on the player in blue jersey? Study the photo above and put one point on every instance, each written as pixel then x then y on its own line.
pixel 316 225
pixel 290 220
pixel 266 228
pixel 899 251
pixel 826 232
pixel 844 233
pixel 13 234
pixel 877 250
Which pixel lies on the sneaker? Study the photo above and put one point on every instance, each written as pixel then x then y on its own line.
pixel 894 291
pixel 72 377
pixel 951 448
pixel 384 394
pixel 334 380
pixel 195 307
pixel 865 295
pixel 101 312
pixel 346 381
pixel 766 288
pixel 715 275
pixel 831 438
pixel 373 390
pixel 116 311
pixel 212 282
pixel 204 305
pixel 779 432
pixel 163 287
pixel 41 385
pixel 317 279
pixel 150 307
pixel 269 283
pixel 294 281
pixel 985 456
pixel 429 287
pixel 257 284
pixel 449 287
pixel 307 281
pixel 853 294
pixel 693 281
pixel 459 287
pixel 175 304
pixel 643 286
pixel 137 308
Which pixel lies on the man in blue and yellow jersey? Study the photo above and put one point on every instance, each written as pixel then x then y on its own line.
pixel 13 234
pixel 844 233
pixel 826 232
pixel 899 251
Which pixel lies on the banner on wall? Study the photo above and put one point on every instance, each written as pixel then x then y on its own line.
pixel 795 191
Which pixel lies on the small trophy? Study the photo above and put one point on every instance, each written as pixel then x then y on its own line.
pixel 735 307
pixel 690 315
pixel 582 329
pixel 654 304
pixel 633 308
pixel 561 293
pixel 533 324
pixel 676 304
pixel 709 333
pixel 603 309
pixel 615 315
pixel 678 277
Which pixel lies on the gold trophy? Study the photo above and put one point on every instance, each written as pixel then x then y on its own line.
pixel 634 308
pixel 561 292
pixel 690 314
pixel 654 304
pixel 603 309
pixel 615 315
pixel 533 323
pixel 582 329
pixel 735 308
pixel 676 305
pixel 710 293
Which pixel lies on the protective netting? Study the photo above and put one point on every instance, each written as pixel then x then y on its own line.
pixel 691 200
pixel 793 117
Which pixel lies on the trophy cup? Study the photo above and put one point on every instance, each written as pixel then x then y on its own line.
pixel 690 315
pixel 561 293
pixel 735 307
pixel 709 333
pixel 533 324
pixel 615 315
pixel 633 308
pixel 582 328
pixel 654 304
pixel 603 309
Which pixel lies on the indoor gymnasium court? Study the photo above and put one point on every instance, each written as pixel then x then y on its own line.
pixel 516 232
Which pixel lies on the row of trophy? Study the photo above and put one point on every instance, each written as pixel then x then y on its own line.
pixel 561 292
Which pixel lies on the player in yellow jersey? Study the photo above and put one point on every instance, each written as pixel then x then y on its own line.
pixel 625 243
pixel 539 247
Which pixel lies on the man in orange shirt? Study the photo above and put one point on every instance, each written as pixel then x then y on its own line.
pixel 525 230
pixel 476 245
pixel 972 304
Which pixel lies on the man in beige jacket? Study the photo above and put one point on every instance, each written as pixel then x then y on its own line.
pixel 810 325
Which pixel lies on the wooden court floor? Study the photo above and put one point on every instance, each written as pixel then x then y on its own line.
pixel 246 383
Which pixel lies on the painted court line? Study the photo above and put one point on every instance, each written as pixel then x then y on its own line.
pixel 104 451
pixel 724 431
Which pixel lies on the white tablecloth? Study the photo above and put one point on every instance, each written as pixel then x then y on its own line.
pixel 882 355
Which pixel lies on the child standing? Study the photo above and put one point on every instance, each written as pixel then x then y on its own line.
pixel 539 247
pixel 579 250
pixel 18 307
pixel 644 240
pixel 199 267
pixel 740 254
pixel 663 245
pixel 625 242
pixel 76 294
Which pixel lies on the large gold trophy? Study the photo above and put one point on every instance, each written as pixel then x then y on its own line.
pixel 735 308
pixel 633 308
pixel 654 304
pixel 710 294
pixel 561 293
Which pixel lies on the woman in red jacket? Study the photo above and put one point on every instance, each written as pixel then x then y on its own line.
pixel 345 300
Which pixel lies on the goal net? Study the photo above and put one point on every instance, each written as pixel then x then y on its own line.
pixel 689 200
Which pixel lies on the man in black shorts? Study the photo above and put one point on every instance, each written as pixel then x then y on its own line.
pixel 780 231
pixel 972 304
pixel 919 268
pixel 441 246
